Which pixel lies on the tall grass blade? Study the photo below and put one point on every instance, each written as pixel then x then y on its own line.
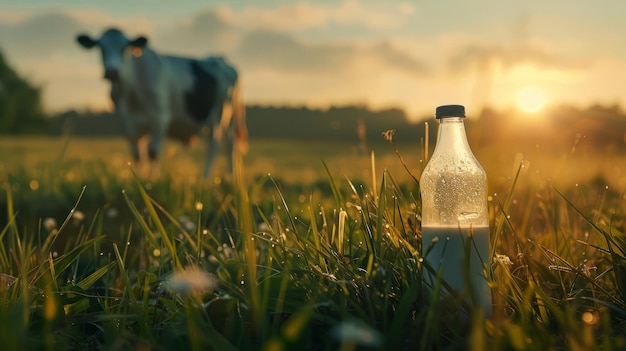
pixel 246 226
pixel 339 201
pixel 52 238
pixel 91 279
pixel 65 261
pixel 128 292
pixel 154 216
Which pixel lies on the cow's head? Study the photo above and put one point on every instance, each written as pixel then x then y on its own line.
pixel 113 45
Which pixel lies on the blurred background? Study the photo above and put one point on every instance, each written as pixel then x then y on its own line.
pixel 405 54
pixel 534 75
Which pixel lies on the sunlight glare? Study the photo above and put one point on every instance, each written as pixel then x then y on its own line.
pixel 531 99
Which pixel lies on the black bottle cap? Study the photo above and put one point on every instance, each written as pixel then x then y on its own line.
pixel 450 111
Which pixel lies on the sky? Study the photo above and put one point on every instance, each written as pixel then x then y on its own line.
pixel 413 55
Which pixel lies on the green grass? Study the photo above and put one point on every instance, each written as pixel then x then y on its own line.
pixel 292 253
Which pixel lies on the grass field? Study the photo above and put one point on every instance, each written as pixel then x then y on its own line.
pixel 308 246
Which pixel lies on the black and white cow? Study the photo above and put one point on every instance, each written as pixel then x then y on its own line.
pixel 161 96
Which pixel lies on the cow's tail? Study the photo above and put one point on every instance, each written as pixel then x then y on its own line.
pixel 239 113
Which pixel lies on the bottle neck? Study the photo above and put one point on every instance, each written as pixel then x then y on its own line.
pixel 451 135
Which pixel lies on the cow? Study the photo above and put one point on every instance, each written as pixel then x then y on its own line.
pixel 159 96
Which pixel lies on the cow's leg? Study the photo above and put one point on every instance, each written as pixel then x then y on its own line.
pixel 214 143
pixel 230 145
pixel 133 133
pixel 136 145
pixel 233 149
pixel 155 144
pixel 159 116
pixel 221 129
pixel 135 149
pixel 139 148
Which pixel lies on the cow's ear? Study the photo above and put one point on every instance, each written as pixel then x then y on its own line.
pixel 139 42
pixel 86 41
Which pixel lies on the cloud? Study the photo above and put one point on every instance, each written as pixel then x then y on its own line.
pixel 222 31
pixel 219 31
pixel 301 15
pixel 11 17
pixel 39 35
pixel 399 59
pixel 283 52
pixel 484 56
pixel 205 33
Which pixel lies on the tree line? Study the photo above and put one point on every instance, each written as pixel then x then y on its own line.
pixel 600 127
pixel 269 122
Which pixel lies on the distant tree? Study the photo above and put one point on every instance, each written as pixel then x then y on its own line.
pixel 20 103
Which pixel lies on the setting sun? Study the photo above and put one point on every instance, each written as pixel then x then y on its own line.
pixel 530 99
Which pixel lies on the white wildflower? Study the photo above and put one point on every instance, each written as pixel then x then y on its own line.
pixel 356 332
pixel 191 281
pixel 78 216
pixel 49 224
pixel 503 259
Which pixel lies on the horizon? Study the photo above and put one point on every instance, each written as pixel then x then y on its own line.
pixel 382 55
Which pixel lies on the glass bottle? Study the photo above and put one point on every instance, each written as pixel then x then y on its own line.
pixel 455 217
